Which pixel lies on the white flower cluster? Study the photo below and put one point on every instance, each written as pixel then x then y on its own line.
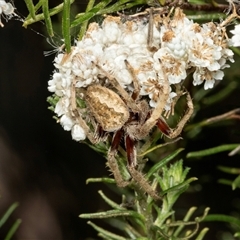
pixel 7 9
pixel 166 55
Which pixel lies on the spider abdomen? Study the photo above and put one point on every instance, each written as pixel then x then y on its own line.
pixel 107 107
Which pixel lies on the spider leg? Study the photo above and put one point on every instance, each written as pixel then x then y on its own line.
pixel 157 111
pixel 112 162
pixel 137 175
pixel 100 135
pixel 163 126
pixel 150 32
pixel 75 113
pixel 135 94
pixel 175 132
pixel 130 102
pixel 172 133
pixel 131 151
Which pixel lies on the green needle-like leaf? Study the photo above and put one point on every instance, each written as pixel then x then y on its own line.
pixel 178 188
pixel 66 24
pixel 47 18
pixel 84 25
pixel 110 202
pixel 211 151
pixel 82 17
pixel 104 233
pixel 202 234
pixel 113 213
pixel 236 183
pixel 229 170
pixel 222 218
pixel 5 217
pixel 96 180
pixel 162 163
pixel 40 17
pixel 31 9
pixel 13 229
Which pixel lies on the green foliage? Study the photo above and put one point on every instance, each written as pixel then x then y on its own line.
pixel 139 217
pixel 5 217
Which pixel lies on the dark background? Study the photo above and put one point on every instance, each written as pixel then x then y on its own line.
pixel 44 170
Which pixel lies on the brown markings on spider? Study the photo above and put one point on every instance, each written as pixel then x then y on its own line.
pixel 107 107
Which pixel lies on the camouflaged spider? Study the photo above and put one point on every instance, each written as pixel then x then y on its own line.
pixel 121 114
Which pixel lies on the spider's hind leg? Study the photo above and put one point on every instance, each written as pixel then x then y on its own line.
pixel 137 176
pixel 112 161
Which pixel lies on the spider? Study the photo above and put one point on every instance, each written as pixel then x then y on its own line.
pixel 116 112
pixel 120 114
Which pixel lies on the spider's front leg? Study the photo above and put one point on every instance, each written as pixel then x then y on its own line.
pixel 77 115
pixel 144 129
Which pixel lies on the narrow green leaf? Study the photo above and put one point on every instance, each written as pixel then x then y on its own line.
pixel 96 180
pixel 222 218
pixel 142 154
pixel 84 25
pixel 207 16
pixel 106 233
pixel 66 24
pixel 202 234
pixel 40 17
pixel 96 8
pixel 36 8
pixel 30 7
pixel 13 229
pixel 47 18
pixel 118 6
pixel 185 219
pixel 162 162
pixel 8 213
pixel 225 181
pixel 236 183
pixel 121 5
pixel 180 186
pixel 82 17
pixel 230 170
pixel 110 202
pixel 112 213
pixel 211 151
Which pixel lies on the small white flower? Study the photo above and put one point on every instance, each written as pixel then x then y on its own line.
pixel 112 32
pixel 235 40
pixel 66 122
pixel 209 84
pixel 78 133
pixel 203 74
